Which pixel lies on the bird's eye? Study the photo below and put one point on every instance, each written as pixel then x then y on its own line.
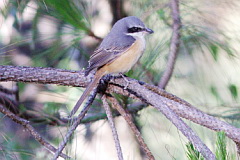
pixel 134 29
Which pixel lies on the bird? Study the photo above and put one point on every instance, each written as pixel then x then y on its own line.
pixel 117 53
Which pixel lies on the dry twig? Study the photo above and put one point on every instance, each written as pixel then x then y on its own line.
pixel 113 128
pixel 158 102
pixel 133 127
pixel 30 129
pixel 73 78
pixel 180 107
pixel 9 98
pixel 75 124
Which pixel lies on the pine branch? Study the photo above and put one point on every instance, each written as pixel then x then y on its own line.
pixel 30 129
pixel 135 89
pixel 163 106
pixel 113 128
pixel 75 125
pixel 128 117
pixel 174 45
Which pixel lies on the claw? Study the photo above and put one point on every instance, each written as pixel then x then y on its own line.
pixel 123 76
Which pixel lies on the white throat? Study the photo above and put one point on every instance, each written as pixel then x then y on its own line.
pixel 137 35
pixel 140 36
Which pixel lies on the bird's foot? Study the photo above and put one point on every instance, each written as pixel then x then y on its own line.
pixel 124 77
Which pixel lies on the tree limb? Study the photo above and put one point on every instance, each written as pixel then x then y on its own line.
pixel 30 129
pixel 43 76
pixel 174 45
pixel 181 107
pixel 162 105
pixel 74 78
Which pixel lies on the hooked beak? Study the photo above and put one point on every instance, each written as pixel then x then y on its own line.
pixel 149 30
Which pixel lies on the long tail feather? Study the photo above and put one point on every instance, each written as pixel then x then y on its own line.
pixel 87 91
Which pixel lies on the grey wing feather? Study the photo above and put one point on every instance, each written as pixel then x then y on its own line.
pixel 102 56
pixel 111 47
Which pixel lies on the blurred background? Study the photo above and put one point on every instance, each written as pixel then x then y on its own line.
pixel 63 34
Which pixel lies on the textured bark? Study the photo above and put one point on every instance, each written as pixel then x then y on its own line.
pixel 180 107
pixel 113 128
pixel 158 102
pixel 168 104
pixel 128 117
pixel 43 76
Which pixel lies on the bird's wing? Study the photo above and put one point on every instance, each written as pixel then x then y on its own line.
pixel 102 56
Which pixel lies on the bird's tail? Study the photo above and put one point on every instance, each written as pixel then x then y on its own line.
pixel 87 91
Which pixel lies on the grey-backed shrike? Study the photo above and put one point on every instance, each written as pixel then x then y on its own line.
pixel 117 53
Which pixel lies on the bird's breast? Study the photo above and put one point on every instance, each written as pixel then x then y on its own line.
pixel 127 59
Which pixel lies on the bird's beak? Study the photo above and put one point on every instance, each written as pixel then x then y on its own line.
pixel 149 30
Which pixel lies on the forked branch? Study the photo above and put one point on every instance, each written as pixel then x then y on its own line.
pixel 137 89
pixel 127 116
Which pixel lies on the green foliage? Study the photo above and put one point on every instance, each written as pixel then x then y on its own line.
pixel 192 153
pixel 164 16
pixel 233 90
pixel 214 51
pixel 10 149
pixel 51 108
pixel 68 12
pixel 70 17
pixel 221 150
pixel 195 37
pixel 214 92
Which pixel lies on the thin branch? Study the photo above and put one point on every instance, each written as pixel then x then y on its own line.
pixel 30 129
pixel 158 102
pixel 180 107
pixel 57 120
pixel 238 147
pixel 133 127
pixel 9 98
pixel 188 111
pixel 113 128
pixel 9 91
pixel 186 131
pixel 9 102
pixel 72 78
pixel 174 45
pixel 99 116
pixel 75 124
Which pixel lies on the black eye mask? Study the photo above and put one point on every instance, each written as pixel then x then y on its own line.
pixel 134 29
